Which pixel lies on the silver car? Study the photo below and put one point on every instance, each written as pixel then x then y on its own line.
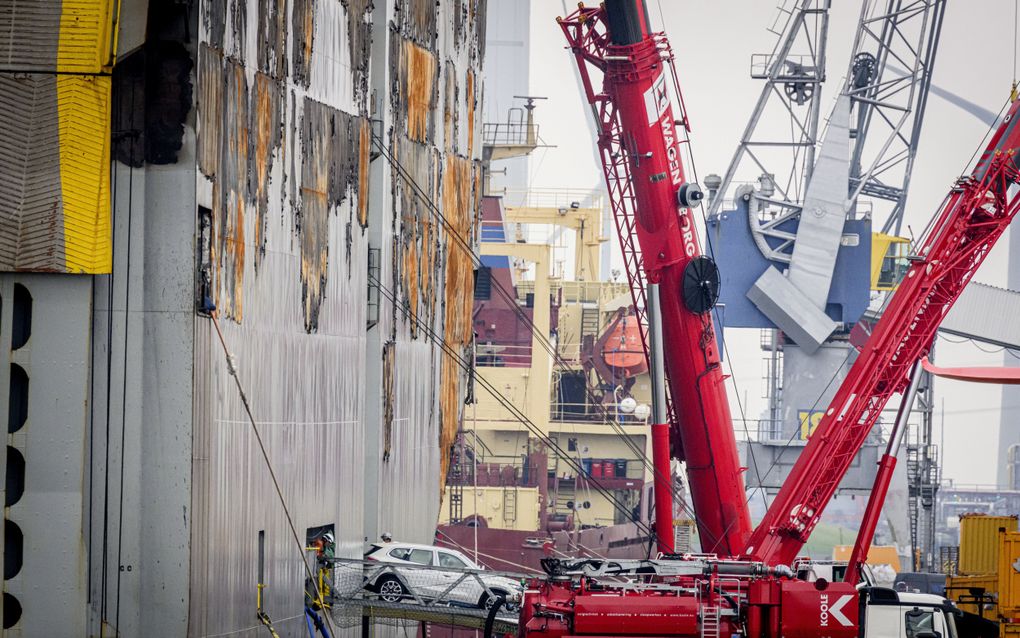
pixel 430 571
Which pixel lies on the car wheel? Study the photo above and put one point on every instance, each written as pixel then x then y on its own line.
pixel 487 601
pixel 390 589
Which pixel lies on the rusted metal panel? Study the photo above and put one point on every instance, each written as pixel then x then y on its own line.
pixel 459 206
pixel 359 40
pixel 210 108
pixel 302 36
pixel 416 265
pixel 478 21
pixel 388 374
pixel 451 111
pixel 364 159
pixel 272 41
pixel 214 23
pixel 418 93
pixel 416 21
pixel 266 140
pixel 330 173
pixel 230 190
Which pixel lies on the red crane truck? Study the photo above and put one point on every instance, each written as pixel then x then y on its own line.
pixel 747 585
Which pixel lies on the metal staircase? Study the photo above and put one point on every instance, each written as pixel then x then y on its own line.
pixel 709 622
pixel 590 323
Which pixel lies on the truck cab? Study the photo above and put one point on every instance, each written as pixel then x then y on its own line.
pixel 886 613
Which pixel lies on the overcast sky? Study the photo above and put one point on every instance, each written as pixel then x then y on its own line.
pixel 714 41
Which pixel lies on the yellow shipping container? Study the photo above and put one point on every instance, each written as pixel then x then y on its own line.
pixel 979 542
pixel 1009 575
pixel 971 592
pixel 877 555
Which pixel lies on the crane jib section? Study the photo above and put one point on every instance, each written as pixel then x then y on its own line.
pixel 975 214
pixel 640 142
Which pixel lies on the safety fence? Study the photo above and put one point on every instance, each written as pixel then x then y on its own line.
pixel 413 590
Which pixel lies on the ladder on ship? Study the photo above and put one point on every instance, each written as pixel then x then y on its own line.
pixel 510 505
pixel 456 481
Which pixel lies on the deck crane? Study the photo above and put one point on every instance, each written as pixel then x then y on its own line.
pixel 755 592
pixel 639 140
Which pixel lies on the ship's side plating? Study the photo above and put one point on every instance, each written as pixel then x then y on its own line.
pixel 244 175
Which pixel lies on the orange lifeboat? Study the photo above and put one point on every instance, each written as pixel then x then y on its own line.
pixel 620 346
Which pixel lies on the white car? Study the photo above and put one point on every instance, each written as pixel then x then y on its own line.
pixel 445 568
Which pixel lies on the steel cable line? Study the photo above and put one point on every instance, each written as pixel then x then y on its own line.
pixel 543 339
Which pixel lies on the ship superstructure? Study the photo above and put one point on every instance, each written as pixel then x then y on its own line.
pixel 556 462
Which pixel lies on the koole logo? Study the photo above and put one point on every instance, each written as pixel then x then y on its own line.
pixel 835 611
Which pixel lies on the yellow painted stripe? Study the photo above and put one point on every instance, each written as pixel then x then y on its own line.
pixel 86 46
pixel 83 112
pixel 86 36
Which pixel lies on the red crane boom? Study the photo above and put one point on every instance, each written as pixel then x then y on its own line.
pixel 639 142
pixel 973 217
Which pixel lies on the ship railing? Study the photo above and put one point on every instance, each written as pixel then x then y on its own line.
pixel 487 472
pixel 503 355
pixel 578 291
pixel 596 470
pixel 521 233
pixel 454 595
pixel 591 412
pixel 570 198
pixel 510 134
pixel 569 354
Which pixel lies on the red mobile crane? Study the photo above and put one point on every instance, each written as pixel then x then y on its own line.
pixel 639 141
pixel 758 594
